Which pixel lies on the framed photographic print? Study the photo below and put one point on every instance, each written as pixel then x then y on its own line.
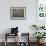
pixel 41 12
pixel 41 9
pixel 17 13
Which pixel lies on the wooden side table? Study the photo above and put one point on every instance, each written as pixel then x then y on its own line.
pixel 8 34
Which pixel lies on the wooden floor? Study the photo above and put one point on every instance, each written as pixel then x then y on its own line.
pixel 13 44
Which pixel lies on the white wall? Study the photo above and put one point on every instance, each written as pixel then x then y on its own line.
pixel 24 25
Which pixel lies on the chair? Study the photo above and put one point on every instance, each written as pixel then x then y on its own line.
pixel 26 41
pixel 8 35
pixel 14 32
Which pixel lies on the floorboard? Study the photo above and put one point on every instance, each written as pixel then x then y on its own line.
pixel 13 44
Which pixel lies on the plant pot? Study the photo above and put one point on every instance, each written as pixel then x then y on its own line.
pixel 40 40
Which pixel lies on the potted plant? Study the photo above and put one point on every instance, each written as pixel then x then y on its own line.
pixel 39 35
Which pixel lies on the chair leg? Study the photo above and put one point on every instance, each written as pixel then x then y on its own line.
pixel 5 43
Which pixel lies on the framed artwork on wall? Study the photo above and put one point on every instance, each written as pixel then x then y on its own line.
pixel 41 12
pixel 41 8
pixel 18 13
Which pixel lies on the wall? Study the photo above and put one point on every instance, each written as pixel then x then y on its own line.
pixel 24 25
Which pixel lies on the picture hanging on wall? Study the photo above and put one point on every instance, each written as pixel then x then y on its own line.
pixel 18 13
pixel 41 8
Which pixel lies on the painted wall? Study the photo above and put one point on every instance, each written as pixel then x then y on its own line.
pixel 24 25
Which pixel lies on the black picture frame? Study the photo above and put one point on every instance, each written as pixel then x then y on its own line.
pixel 18 13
